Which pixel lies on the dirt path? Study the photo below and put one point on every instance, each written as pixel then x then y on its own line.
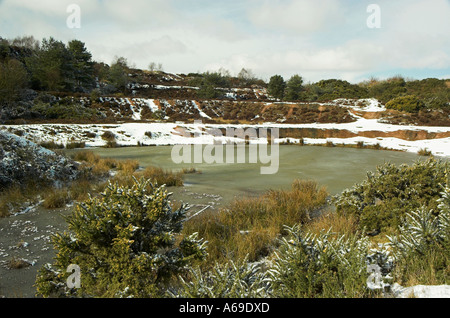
pixel 26 238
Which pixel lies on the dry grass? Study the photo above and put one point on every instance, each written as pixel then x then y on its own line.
pixel 15 197
pixel 161 176
pixel 424 152
pixel 102 166
pixel 17 263
pixel 250 226
pixel 56 199
pixel 338 224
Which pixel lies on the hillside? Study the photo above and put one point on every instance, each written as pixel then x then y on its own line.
pixel 85 99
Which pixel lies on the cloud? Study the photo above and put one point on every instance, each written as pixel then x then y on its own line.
pixel 316 39
pixel 160 47
pixel 296 16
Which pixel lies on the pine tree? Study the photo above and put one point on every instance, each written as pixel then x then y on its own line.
pixel 276 87
pixel 52 66
pixel 294 88
pixel 83 65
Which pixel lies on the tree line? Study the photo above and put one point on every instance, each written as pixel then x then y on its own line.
pixel 51 65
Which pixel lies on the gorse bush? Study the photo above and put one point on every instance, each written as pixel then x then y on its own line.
pixel 124 242
pixel 312 266
pixel 382 200
pixel 229 280
pixel 410 104
pixel 61 110
pixel 422 247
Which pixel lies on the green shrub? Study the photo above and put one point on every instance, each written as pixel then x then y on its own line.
pixel 229 280
pixel 382 200
pixel 422 247
pixel 64 110
pixel 410 104
pixel 124 242
pixel 388 89
pixel 315 266
pixel 207 91
pixel 333 89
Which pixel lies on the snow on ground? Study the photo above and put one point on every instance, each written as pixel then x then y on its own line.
pixel 421 291
pixel 130 134
pixel 202 113
pixel 439 147
pixel 366 105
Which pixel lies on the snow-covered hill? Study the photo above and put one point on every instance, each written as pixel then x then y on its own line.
pixel 368 131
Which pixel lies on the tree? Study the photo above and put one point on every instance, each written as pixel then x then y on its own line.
pixel 276 87
pixel 155 67
pixel 51 66
pixel 207 90
pixel 125 244
pixel 246 78
pixel 294 88
pixel 28 42
pixel 13 78
pixel 83 65
pixel 118 74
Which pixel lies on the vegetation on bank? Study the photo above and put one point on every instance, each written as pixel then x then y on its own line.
pixel 284 243
pixel 382 200
pixel 125 243
pixel 93 176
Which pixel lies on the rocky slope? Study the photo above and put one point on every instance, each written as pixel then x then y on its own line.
pixel 23 161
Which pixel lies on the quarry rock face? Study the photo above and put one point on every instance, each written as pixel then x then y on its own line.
pixel 23 160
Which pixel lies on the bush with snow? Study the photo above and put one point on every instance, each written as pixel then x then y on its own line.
pixel 382 200
pixel 24 161
pixel 125 244
pixel 308 265
pixel 422 247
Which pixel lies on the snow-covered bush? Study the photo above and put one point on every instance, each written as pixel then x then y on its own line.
pixel 125 244
pixel 422 247
pixel 23 161
pixel 229 280
pixel 382 200
pixel 308 265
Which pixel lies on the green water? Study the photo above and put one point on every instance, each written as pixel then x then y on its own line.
pixel 336 168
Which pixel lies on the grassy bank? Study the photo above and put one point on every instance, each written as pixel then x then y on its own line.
pixel 250 226
pixel 96 173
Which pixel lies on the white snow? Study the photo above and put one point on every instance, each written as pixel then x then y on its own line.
pixel 199 110
pixel 421 291
pixel 130 134
pixel 151 104
pixel 166 134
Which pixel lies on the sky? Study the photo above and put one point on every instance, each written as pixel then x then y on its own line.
pixel 316 39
